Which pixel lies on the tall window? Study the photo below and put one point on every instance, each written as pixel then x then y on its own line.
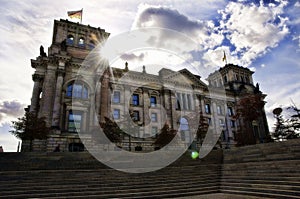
pixel 221 123
pixel 236 77
pixel 117 97
pixel 184 129
pixel 136 116
pixel 77 90
pixel 70 40
pixel 230 111
pixel 135 99
pixel 219 110
pixel 225 78
pixel 81 42
pixel 232 123
pixel 153 117
pixel 153 101
pixel 209 121
pixel 116 113
pixel 207 108
pixel 92 45
pixel 178 101
pixel 154 130
pixel 74 121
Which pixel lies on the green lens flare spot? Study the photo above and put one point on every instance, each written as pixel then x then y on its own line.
pixel 194 155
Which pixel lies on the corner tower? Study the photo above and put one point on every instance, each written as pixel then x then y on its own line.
pixel 55 75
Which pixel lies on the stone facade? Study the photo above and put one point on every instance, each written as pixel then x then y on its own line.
pixel 74 101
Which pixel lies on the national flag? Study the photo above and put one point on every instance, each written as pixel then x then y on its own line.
pixel 224 57
pixel 75 14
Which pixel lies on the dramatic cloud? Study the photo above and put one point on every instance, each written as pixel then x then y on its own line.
pixel 253 29
pixel 201 32
pixel 10 110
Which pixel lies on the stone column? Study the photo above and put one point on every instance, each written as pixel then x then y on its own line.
pixel 97 101
pixel 57 99
pixel 127 98
pixel 146 104
pixel 67 119
pixel 48 93
pixel 105 96
pixel 36 92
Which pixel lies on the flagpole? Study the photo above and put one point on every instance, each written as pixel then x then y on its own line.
pixel 224 57
pixel 81 15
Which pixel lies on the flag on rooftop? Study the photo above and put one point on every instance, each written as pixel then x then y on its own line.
pixel 76 14
pixel 224 57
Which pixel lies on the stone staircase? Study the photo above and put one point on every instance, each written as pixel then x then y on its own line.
pixel 79 175
pixel 264 170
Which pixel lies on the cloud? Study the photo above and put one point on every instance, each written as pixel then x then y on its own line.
pixel 201 32
pixel 253 29
pixel 132 57
pixel 10 110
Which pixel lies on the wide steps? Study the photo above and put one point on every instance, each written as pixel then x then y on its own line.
pixel 266 170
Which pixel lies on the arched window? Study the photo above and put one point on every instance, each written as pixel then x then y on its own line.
pixel 184 129
pixel 92 45
pixel 77 90
pixel 70 40
pixel 81 42
pixel 184 125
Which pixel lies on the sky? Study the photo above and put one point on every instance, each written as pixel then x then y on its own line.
pixel 263 35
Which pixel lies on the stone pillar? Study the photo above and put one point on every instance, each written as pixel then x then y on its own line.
pixel 97 101
pixel 127 98
pixel 57 99
pixel 105 96
pixel 67 119
pixel 48 93
pixel 36 92
pixel 146 104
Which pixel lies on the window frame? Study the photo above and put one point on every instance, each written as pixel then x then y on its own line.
pixel 232 123
pixel 117 97
pixel 83 94
pixel 74 129
pixel 81 42
pixel 135 99
pixel 118 114
pixel 70 40
pixel 230 111
pixel 153 101
pixel 153 117
pixel 135 116
pixel 219 110
pixel 207 108
pixel 154 132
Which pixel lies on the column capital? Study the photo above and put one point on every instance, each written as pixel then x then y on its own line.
pixel 37 77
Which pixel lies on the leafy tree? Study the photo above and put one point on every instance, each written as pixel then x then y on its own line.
pixel 202 128
pixel 111 130
pixel 248 109
pixel 165 136
pixel 294 123
pixel 281 130
pixel 30 127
